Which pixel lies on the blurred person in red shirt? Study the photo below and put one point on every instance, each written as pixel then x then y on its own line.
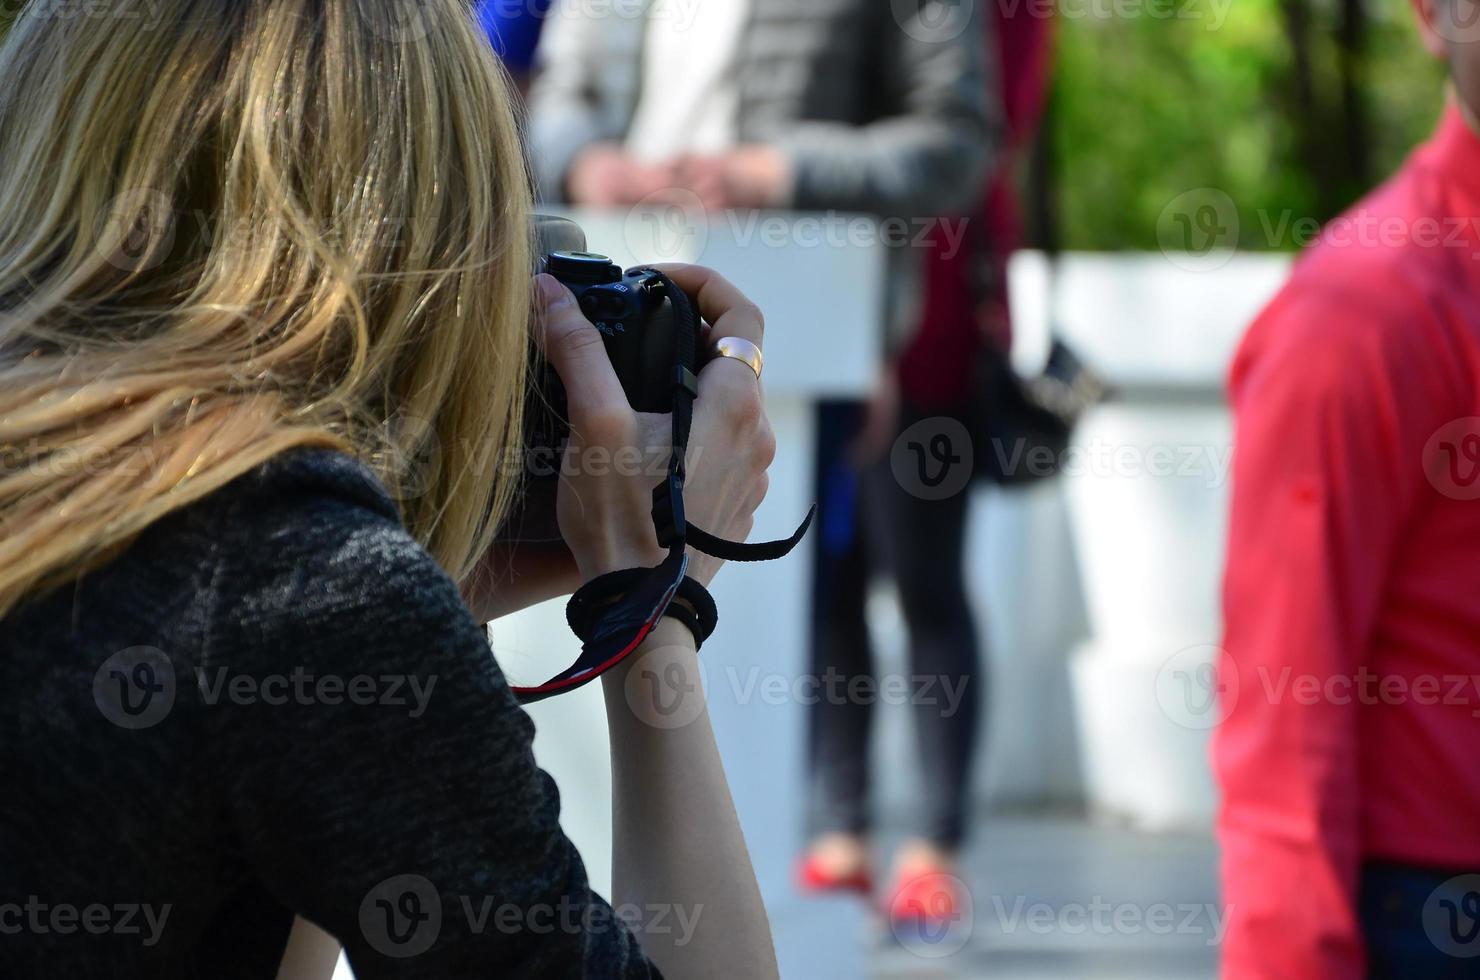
pixel 1349 754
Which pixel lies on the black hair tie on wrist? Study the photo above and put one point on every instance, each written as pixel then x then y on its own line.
pixel 691 604
pixel 697 611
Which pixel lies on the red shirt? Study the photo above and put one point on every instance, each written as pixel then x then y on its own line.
pixel 1351 673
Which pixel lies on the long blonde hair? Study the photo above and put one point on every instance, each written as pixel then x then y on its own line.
pixel 233 227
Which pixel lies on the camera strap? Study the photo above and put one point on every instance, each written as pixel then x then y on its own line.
pixel 622 622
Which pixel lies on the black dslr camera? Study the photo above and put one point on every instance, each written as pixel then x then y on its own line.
pixel 652 331
pixel 636 318
pixel 631 309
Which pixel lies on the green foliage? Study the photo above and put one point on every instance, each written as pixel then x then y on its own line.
pixel 1147 108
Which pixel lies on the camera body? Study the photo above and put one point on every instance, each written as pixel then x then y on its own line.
pixel 635 318
pixel 632 313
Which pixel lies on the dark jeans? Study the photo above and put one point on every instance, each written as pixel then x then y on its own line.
pixel 869 523
pixel 1420 923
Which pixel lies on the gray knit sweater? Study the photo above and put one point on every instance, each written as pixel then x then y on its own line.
pixel 275 702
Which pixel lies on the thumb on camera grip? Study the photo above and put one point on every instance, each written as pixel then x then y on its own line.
pixel 574 347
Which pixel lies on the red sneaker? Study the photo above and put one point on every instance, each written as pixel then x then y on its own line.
pixel 930 913
pixel 814 878
pixel 933 894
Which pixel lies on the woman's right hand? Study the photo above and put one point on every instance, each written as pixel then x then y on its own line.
pixel 604 506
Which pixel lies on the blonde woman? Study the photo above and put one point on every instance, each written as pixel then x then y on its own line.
pixel 264 304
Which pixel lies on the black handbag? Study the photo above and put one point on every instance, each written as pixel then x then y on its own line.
pixel 1020 427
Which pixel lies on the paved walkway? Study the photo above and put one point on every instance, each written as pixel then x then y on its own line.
pixel 1058 897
